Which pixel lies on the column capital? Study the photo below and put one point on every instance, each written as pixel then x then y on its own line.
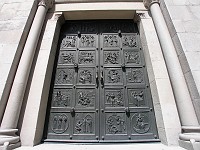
pixel 148 3
pixel 46 3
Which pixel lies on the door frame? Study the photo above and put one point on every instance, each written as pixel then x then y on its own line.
pixel 163 101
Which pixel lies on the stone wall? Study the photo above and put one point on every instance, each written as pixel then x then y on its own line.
pixel 15 20
pixel 183 20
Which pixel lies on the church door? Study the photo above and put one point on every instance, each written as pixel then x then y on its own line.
pixel 100 90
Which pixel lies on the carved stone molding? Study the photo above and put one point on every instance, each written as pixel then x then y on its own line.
pixel 46 3
pixel 148 3
pixel 58 15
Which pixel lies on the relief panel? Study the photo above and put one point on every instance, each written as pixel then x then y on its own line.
pixel 116 123
pixel 67 57
pixel 136 97
pixel 85 98
pixel 110 40
pixel 88 28
pixel 69 41
pixel 88 41
pixel 134 75
pixel 62 97
pixel 87 57
pixel 129 41
pixel 64 76
pixel 108 28
pixel 113 76
pixel 59 123
pixel 140 123
pixel 112 57
pixel 114 98
pixel 132 57
pixel 84 123
pixel 86 76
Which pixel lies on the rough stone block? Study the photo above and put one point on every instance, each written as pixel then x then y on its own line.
pixel 8 11
pixel 190 41
pixel 194 9
pixel 194 2
pixel 192 26
pixel 180 13
pixel 179 25
pixel 10 37
pixel 180 2
pixel 193 58
pixel 7 53
pixel 12 24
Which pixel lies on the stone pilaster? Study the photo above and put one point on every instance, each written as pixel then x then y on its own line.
pixel 188 118
pixel 8 138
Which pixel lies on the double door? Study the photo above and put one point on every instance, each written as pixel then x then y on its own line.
pixel 100 90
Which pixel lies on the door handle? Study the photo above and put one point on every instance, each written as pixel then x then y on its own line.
pixel 127 110
pixel 102 81
pixel 97 79
pixel 72 111
pixel 76 65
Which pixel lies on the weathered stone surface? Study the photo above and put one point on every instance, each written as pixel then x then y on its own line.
pixel 193 58
pixel 185 16
pixel 154 146
pixel 39 87
pixel 180 13
pixel 177 44
pixel 180 2
pixel 13 30
pixel 163 98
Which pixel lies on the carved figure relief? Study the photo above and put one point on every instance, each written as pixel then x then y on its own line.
pixel 115 124
pixel 69 42
pixel 114 98
pixel 87 41
pixel 129 41
pixel 138 98
pixel 85 77
pixel 113 76
pixel 127 28
pixel 111 41
pixel 111 28
pixel 88 28
pixel 135 76
pixel 67 57
pixel 62 98
pixel 140 123
pixel 111 57
pixel 86 98
pixel 60 123
pixel 84 124
pixel 86 57
pixel 132 57
pixel 64 76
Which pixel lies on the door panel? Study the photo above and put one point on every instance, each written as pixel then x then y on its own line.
pixel 101 91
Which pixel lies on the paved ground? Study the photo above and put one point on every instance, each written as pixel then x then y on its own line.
pixel 152 146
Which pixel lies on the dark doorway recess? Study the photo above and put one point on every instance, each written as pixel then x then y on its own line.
pixel 100 89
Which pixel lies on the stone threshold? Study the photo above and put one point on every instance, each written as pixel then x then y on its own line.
pixel 125 146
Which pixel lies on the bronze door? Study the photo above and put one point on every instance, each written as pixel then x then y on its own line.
pixel 101 92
